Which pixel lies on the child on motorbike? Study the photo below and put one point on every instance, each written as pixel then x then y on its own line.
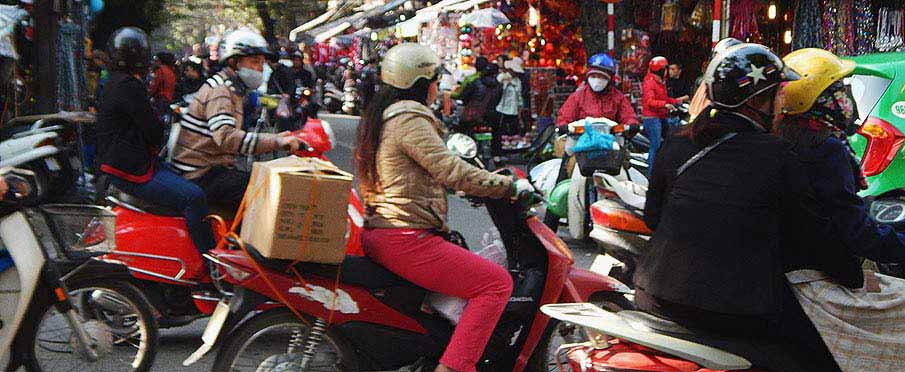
pixel 861 326
pixel 128 132
pixel 405 168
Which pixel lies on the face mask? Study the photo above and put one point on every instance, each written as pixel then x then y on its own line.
pixel 251 78
pixel 597 84
pixel 503 77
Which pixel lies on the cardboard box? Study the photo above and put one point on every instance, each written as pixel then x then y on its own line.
pixel 296 209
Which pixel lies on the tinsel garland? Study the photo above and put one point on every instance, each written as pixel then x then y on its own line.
pixel 865 27
pixel 807 25
pixel 839 37
pixel 744 19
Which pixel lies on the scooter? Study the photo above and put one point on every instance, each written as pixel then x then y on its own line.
pixel 636 341
pixel 361 317
pixel 618 224
pixel 48 146
pixel 63 308
pixel 171 271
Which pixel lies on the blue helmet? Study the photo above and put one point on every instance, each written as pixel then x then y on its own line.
pixel 602 62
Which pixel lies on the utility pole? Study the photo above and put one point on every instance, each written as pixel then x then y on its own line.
pixel 47 17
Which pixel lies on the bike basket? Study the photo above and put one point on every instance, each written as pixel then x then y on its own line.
pixel 81 230
pixel 606 161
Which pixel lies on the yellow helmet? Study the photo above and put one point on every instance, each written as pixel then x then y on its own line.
pixel 818 69
pixel 405 63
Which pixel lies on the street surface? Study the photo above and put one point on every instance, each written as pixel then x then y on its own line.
pixel 177 344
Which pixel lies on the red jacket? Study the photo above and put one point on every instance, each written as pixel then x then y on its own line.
pixel 610 104
pixel 654 97
pixel 163 86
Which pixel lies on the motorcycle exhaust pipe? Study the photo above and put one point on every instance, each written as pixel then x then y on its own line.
pixel 109 302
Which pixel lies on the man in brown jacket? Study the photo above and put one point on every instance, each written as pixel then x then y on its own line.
pixel 211 136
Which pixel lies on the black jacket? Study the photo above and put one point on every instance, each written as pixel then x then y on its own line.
pixel 128 131
pixel 282 80
pixel 831 169
pixel 723 227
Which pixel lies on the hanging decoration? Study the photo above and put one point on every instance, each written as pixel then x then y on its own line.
pixel 837 21
pixel 744 19
pixel 701 14
pixel 670 17
pixel 889 29
pixel 806 32
pixel 864 22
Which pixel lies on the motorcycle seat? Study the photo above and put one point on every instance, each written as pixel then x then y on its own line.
pixel 130 200
pixel 355 270
pixel 638 319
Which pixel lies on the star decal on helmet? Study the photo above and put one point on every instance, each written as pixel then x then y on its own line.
pixel 757 73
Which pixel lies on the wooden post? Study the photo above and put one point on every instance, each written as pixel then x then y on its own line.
pixel 46 29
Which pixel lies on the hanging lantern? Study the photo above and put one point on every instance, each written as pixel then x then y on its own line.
pixel 787 38
pixel 771 11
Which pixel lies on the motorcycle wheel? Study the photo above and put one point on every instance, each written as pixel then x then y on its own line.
pixel 272 341
pixel 125 337
pixel 559 333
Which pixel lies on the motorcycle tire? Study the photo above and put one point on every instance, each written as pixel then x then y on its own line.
pixel 542 360
pixel 44 300
pixel 239 339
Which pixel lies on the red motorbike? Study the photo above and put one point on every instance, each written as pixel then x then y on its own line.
pixel 636 341
pixel 154 242
pixel 359 316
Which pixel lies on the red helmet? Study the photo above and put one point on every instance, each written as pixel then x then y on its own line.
pixel 657 64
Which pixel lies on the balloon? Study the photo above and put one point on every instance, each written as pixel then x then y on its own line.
pixel 96 6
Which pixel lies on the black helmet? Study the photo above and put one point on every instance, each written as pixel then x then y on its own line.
pixel 744 71
pixel 129 50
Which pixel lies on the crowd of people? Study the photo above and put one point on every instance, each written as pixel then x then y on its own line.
pixel 752 205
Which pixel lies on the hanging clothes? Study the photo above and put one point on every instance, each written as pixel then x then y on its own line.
pixel 837 21
pixel 865 27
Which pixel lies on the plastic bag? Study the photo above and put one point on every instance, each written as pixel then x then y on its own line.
pixel 593 141
pixel 283 111
pixel 451 307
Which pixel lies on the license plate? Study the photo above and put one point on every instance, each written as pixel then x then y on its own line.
pixel 52 164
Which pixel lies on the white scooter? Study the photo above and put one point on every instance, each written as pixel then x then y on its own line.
pixel 64 310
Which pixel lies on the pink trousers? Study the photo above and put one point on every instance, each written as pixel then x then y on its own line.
pixel 440 266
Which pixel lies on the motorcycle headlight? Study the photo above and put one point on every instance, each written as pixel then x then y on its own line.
pixel 888 211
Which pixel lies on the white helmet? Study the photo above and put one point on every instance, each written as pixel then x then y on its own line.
pixel 405 63
pixel 242 42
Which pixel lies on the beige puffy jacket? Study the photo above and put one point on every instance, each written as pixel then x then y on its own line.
pixel 414 168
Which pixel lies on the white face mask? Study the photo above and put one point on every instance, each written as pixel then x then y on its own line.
pixel 251 78
pixel 502 77
pixel 597 84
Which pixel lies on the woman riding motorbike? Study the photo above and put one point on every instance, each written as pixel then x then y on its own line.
pixel 722 199
pixel 405 169
pixel 819 113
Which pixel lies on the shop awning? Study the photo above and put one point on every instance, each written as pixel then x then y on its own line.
pixel 312 23
pixel 465 6
pixel 357 20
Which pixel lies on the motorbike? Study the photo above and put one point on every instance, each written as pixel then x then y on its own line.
pixel 618 224
pixel 65 308
pixel 48 145
pixel 332 98
pixel 361 317
pixel 636 341
pixel 170 271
